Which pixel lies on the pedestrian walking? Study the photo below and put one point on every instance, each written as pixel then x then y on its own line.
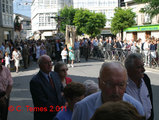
pixel 64 54
pixel 77 50
pixel 71 55
pixel 7 60
pixel 16 57
pixel 25 53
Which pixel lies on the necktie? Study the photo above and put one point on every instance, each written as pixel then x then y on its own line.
pixel 51 82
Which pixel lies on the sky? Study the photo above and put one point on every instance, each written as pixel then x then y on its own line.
pixel 22 7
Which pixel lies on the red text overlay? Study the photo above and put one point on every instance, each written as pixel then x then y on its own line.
pixel 28 108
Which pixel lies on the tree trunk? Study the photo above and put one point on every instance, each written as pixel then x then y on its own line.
pixel 121 35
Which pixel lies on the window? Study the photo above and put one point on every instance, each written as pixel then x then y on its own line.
pixel 3 7
pixel 9 2
pixel 46 3
pixel 27 23
pixel 7 20
pixel 7 10
pixel 47 17
pixel 53 2
pixel 136 20
pixel 11 9
pixel 10 20
pixel 4 19
pixel 52 20
pixel 40 2
pixel 6 1
pixel 147 19
pixel 41 19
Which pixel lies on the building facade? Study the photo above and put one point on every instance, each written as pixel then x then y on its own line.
pixel 6 20
pixel 104 6
pixel 42 13
pixel 145 27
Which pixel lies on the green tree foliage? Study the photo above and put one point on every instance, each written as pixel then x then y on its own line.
pixel 17 24
pixel 123 18
pixel 81 19
pixel 152 8
pixel 95 23
pixel 89 22
pixel 86 21
pixel 67 13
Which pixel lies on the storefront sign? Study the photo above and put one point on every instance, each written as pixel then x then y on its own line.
pixel 142 28
pixel 105 32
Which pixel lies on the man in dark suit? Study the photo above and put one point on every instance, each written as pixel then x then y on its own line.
pixel 119 43
pixel 58 50
pixel 139 85
pixel 25 54
pixel 46 90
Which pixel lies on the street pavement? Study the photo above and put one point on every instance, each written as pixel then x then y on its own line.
pixel 21 104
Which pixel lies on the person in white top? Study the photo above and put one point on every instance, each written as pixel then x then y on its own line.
pixel 64 55
pixel 16 58
pixel 146 51
pixel 7 60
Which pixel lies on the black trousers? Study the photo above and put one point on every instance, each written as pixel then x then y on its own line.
pixel 58 55
pixel 4 110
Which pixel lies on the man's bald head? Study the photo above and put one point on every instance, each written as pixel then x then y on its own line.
pixel 112 66
pixel 112 81
pixel 41 59
pixel 45 63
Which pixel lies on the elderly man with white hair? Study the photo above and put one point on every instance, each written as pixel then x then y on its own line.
pixel 139 85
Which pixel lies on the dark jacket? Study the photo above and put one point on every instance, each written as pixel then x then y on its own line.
pixel 148 84
pixel 46 97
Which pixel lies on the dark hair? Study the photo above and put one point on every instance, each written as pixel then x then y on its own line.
pixel 58 65
pixel 73 90
pixel 117 111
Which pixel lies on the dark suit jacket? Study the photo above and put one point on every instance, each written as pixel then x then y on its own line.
pixel 44 95
pixel 60 45
pixel 118 45
pixel 148 84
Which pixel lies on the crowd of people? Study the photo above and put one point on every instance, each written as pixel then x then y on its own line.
pixel 101 48
pixel 21 53
pixel 119 85
pixel 55 95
